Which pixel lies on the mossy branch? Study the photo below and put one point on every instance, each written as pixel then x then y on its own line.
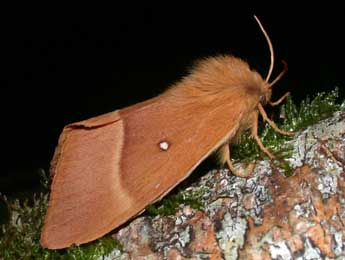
pixel 292 118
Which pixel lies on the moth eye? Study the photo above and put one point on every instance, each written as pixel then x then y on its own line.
pixel 262 99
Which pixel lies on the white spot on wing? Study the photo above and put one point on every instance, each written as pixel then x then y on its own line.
pixel 164 145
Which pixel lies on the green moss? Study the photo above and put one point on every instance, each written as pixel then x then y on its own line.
pixel 93 250
pixel 295 118
pixel 169 204
pixel 19 237
pixel 310 111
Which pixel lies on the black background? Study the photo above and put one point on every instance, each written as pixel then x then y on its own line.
pixel 62 64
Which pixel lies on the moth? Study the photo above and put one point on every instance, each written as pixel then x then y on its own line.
pixel 107 169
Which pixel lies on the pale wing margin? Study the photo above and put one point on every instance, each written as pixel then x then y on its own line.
pixel 85 169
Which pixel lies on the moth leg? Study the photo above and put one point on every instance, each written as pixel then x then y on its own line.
pixel 271 123
pixel 254 131
pixel 279 100
pixel 246 173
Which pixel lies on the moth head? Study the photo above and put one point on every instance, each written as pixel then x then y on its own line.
pixel 265 97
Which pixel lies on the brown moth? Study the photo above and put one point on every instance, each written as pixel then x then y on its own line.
pixel 107 169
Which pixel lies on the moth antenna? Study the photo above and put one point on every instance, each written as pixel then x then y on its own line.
pixel 270 46
pixel 281 74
